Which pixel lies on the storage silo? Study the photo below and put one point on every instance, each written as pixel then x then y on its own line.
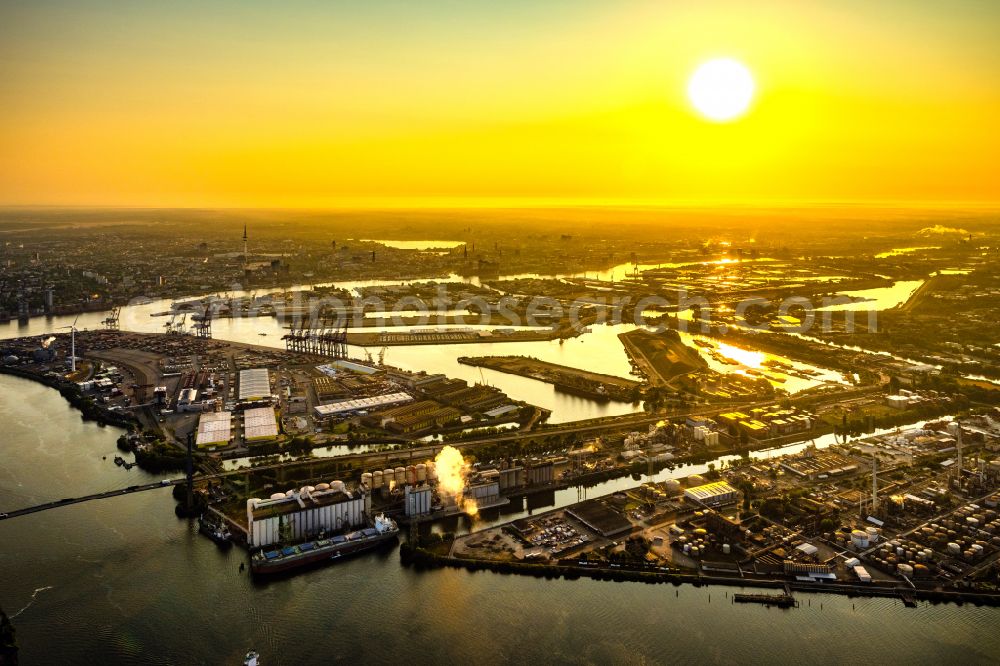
pixel 399 474
pixel 366 479
pixel 377 479
pixel 421 472
pixel 432 474
pixel 411 475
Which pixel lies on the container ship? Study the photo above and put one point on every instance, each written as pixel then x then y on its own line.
pixel 277 560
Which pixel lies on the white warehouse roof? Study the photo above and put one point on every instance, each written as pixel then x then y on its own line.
pixel 259 423
pixel 254 383
pixel 357 404
pixel 213 428
pixel 711 493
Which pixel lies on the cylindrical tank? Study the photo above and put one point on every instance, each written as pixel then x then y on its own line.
pixel 673 485
pixel 377 479
pixel 389 477
pixel 322 486
pixel 400 475
pixel 290 493
pixel 338 486
pixel 411 475
pixel 726 549
pixel 904 569
pixel 695 480
pixel 421 472
pixel 366 479
pixel 278 496
pixel 432 471
pixel 954 548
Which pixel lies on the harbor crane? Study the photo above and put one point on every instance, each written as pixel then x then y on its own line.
pixel 111 323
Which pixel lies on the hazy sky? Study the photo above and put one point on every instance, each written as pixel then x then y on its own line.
pixel 323 103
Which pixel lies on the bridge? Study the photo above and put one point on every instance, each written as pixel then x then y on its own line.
pixel 370 457
pixel 66 501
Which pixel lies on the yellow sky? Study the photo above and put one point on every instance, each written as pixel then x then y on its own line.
pixel 323 104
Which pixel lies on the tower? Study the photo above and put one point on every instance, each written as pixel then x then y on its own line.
pixel 874 484
pixel 958 451
pixel 245 261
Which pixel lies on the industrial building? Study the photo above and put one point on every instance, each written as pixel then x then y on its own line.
pixel 302 513
pixel 214 429
pixel 259 424
pixel 361 404
pixel 417 500
pixel 485 492
pixel 712 494
pixel 813 464
pixel 601 518
pixel 255 384
pixel 331 368
pixel 187 400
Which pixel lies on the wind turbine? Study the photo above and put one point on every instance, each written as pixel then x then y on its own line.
pixel 72 343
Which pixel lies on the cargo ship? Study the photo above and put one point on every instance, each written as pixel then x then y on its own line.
pixel 271 561
pixel 217 532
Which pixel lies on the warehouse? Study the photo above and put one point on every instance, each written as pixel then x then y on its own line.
pixel 332 368
pixel 599 517
pixel 712 494
pixel 255 384
pixel 361 404
pixel 214 429
pixel 259 424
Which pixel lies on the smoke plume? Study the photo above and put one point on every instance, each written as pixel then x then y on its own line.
pixel 452 473
pixel 940 230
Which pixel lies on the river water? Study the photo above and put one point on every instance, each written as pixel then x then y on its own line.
pixel 598 350
pixel 123 581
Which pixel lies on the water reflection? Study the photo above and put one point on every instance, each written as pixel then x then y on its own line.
pixel 879 298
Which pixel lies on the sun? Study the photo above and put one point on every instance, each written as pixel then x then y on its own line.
pixel 721 89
